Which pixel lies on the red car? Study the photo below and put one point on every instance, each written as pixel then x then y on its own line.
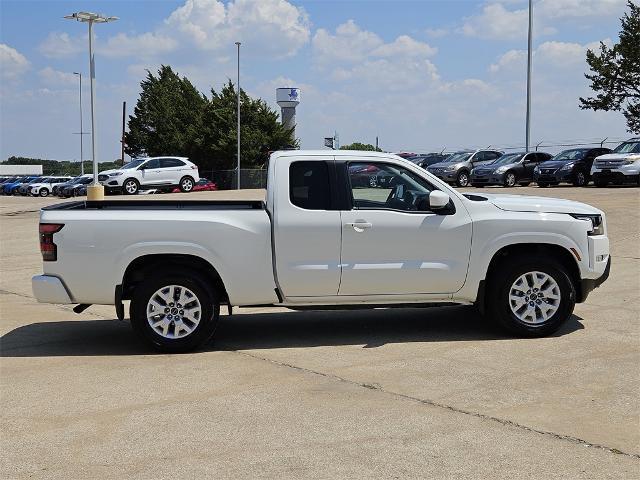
pixel 202 185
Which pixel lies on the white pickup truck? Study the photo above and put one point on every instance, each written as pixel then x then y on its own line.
pixel 338 229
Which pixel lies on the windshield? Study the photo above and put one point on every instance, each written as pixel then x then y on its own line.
pixel 38 180
pixel 508 159
pixel 134 163
pixel 628 147
pixel 458 157
pixel 570 155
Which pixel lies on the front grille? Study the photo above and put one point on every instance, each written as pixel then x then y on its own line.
pixel 609 163
pixel 482 172
pixel 547 171
pixel 102 178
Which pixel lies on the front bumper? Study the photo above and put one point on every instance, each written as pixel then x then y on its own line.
pixel 446 176
pixel 557 177
pixel 50 289
pixel 487 179
pixel 587 285
pixel 614 176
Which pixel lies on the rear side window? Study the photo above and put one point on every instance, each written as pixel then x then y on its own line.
pixel 171 162
pixel 309 185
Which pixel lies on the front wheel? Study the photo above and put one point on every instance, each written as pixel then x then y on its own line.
pixel 580 179
pixel 510 179
pixel 130 186
pixel 43 192
pixel 186 184
pixel 531 298
pixel 463 179
pixel 175 313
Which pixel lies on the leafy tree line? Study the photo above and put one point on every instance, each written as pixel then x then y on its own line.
pixel 360 146
pixel 60 167
pixel 615 77
pixel 172 117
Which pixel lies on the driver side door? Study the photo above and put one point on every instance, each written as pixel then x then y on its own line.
pixel 392 244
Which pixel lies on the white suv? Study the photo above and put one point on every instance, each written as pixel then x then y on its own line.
pixel 45 187
pixel 151 172
pixel 620 166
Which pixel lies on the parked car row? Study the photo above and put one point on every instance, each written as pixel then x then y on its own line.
pixel 36 185
pixel 576 166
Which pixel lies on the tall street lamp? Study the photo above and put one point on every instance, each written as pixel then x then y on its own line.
pixel 81 129
pixel 95 191
pixel 238 101
pixel 528 121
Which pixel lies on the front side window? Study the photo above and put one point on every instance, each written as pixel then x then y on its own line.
pixel 386 186
pixel 309 185
pixel 155 163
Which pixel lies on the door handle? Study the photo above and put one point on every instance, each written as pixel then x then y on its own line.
pixel 359 226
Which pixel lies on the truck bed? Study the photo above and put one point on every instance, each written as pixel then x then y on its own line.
pixel 159 205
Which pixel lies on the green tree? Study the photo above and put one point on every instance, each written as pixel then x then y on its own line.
pixel 260 130
pixel 360 146
pixel 615 76
pixel 167 119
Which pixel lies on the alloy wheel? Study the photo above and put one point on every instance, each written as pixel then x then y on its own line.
pixel 173 311
pixel 534 298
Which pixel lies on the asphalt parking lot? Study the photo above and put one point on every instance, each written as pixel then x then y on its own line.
pixel 414 393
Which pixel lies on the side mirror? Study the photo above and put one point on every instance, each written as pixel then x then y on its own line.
pixel 438 200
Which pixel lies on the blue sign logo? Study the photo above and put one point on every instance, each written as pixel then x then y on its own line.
pixel 293 94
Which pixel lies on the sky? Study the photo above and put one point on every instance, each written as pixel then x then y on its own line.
pixel 422 75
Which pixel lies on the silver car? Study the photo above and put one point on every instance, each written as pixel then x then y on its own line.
pixel 457 167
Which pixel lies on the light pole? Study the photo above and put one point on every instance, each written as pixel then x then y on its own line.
pixel 238 85
pixel 81 129
pixel 528 122
pixel 95 191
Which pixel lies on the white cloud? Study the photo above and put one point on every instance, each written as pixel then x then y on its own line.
pixel 13 63
pixel 146 44
pixel 498 22
pixel 361 56
pixel 551 54
pixel 61 45
pixel 273 26
pixel 53 77
pixel 437 32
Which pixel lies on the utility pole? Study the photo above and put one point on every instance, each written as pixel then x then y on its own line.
pixel 124 113
pixel 528 122
pixel 238 85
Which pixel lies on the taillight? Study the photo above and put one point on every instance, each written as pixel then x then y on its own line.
pixel 47 246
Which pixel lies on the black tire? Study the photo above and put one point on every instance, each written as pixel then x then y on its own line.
pixel 600 183
pixel 543 184
pixel 186 184
pixel 203 331
pixel 498 300
pixel 510 179
pixel 580 179
pixel 43 192
pixel 462 180
pixel 130 186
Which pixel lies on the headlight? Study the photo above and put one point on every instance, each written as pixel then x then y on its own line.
pixel 451 168
pixel 537 169
pixel 115 174
pixel 568 166
pixel 502 169
pixel 597 226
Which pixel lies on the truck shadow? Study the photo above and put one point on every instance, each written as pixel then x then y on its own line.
pixel 369 328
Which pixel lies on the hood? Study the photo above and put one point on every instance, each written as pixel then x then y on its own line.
pixel 619 156
pixel 526 203
pixel 556 163
pixel 440 165
pixel 493 168
pixel 113 170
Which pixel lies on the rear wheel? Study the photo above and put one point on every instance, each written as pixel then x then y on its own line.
pixel 174 313
pixel 130 186
pixel 532 297
pixel 510 179
pixel 43 192
pixel 463 179
pixel 186 184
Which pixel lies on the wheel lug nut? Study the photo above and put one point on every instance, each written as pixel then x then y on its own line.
pixel 167 310
pixel 181 312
